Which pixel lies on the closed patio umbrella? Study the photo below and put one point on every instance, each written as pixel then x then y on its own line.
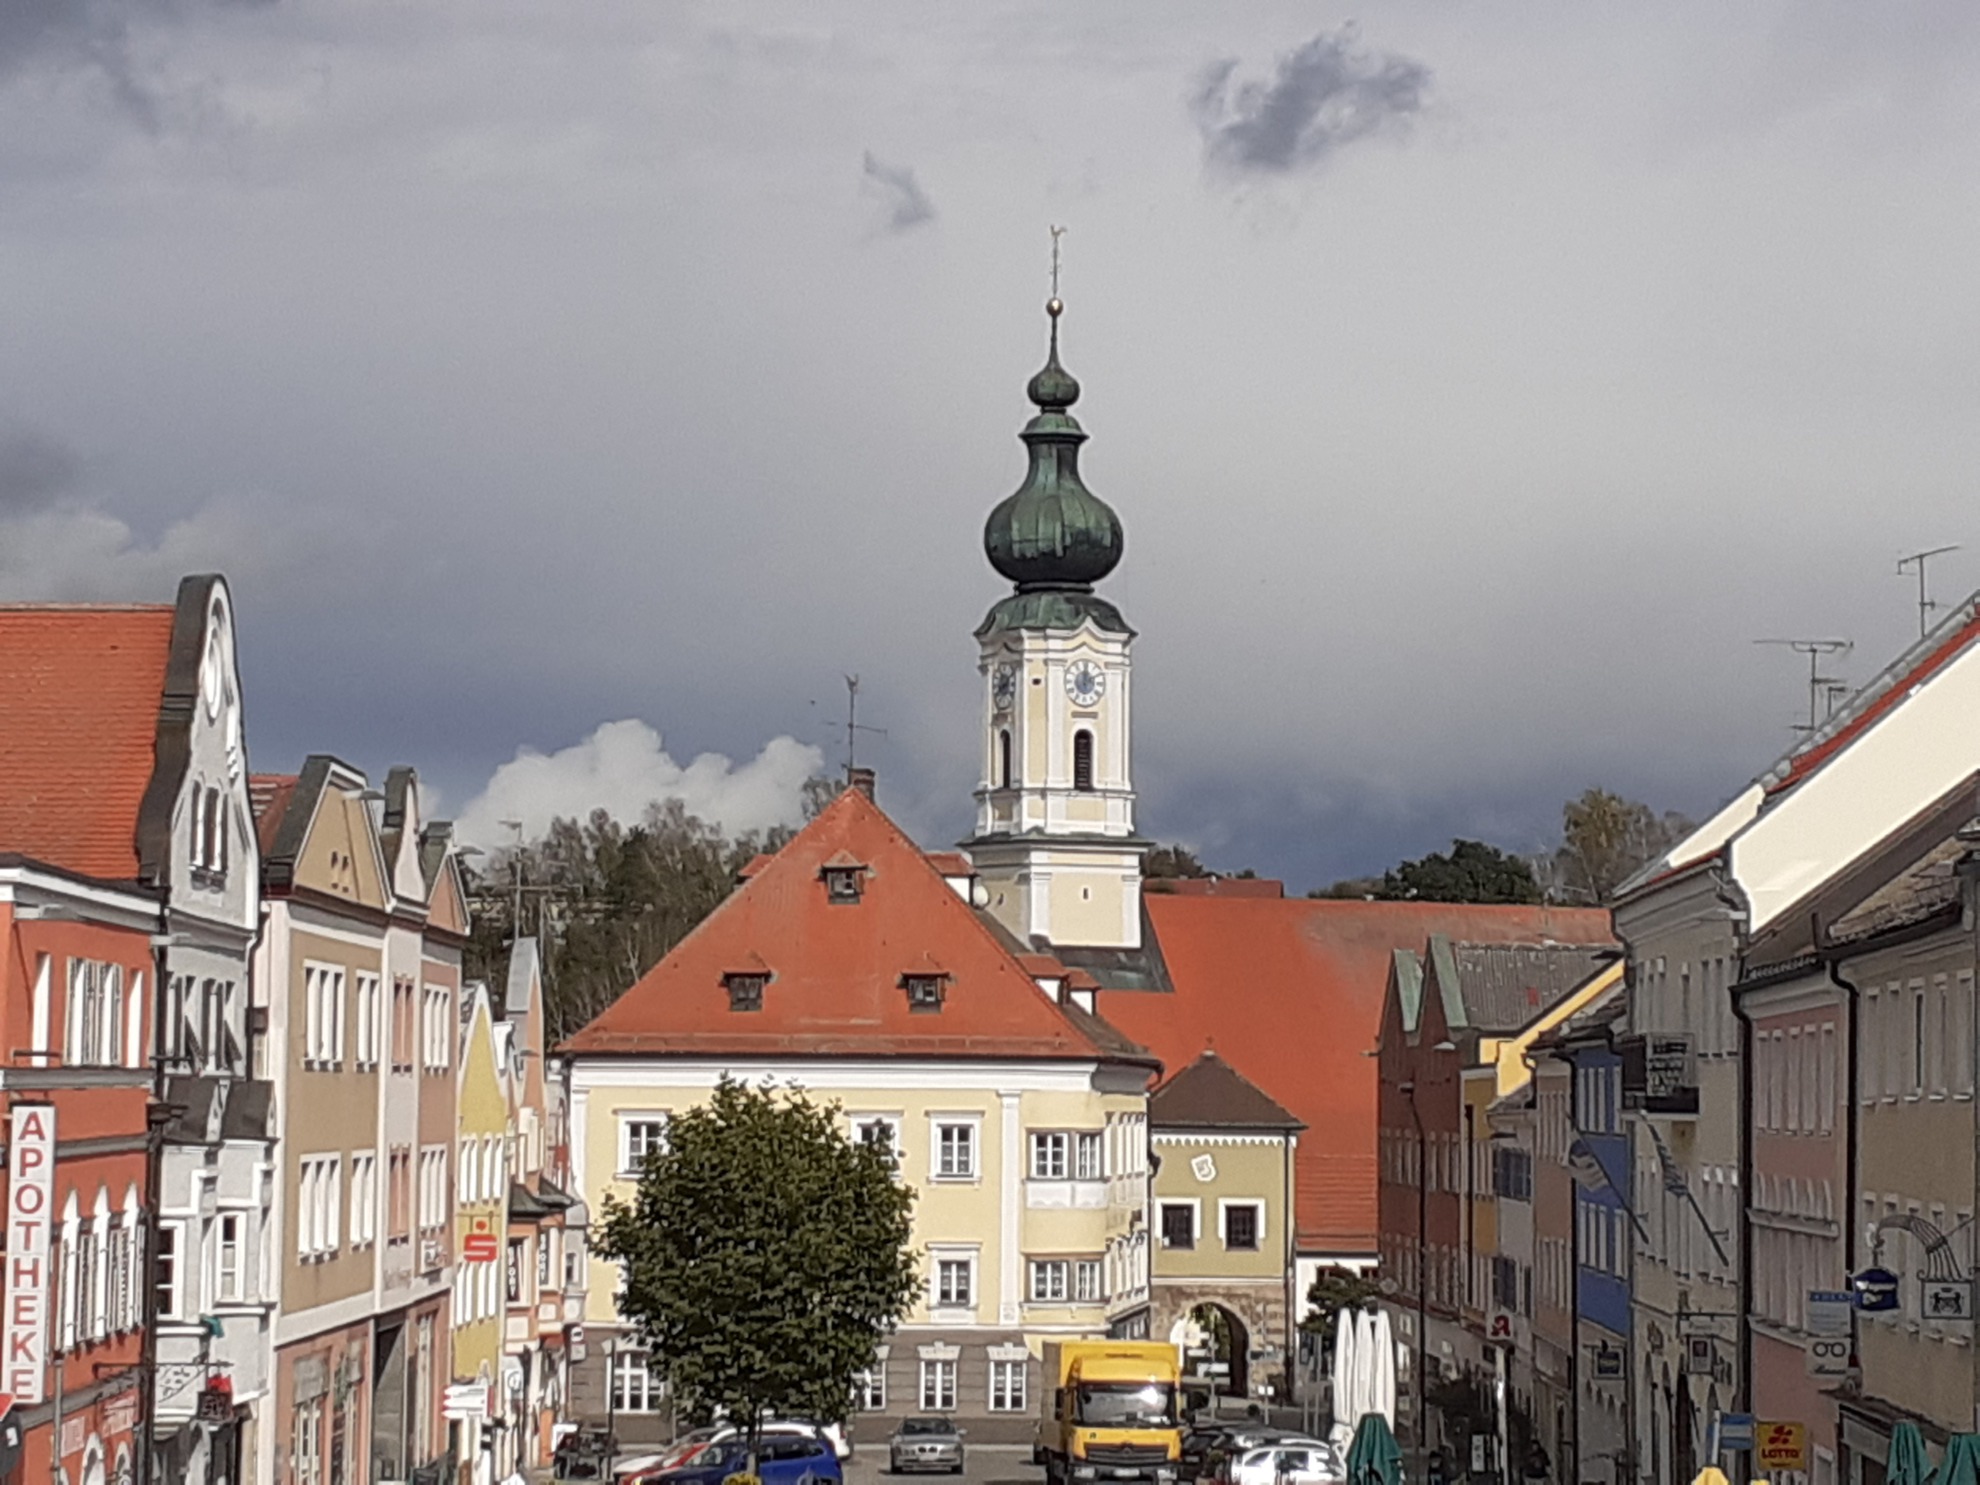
pixel 1961 1465
pixel 1343 1376
pixel 1908 1463
pixel 1362 1399
pixel 1374 1458
pixel 1383 1394
pixel 1711 1475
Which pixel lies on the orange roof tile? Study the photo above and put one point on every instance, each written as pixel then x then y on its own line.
pixel 1289 992
pixel 78 729
pixel 836 967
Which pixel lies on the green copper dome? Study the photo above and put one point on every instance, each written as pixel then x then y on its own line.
pixel 1054 533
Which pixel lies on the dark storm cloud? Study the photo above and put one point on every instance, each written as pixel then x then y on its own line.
pixel 1323 94
pixel 907 205
pixel 34 470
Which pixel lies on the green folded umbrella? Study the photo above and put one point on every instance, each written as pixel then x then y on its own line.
pixel 1908 1463
pixel 1962 1461
pixel 1374 1458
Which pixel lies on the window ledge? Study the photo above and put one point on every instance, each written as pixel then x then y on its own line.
pixel 968 1180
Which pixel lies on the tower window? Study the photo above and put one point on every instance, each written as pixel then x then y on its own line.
pixel 745 991
pixel 924 992
pixel 1004 758
pixel 842 883
pixel 1083 761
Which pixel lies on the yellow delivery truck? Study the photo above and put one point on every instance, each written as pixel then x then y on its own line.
pixel 1110 1411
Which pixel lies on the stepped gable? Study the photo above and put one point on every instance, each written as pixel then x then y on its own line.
pixel 79 730
pixel 1289 992
pixel 836 969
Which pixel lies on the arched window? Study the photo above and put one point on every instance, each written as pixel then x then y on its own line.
pixel 1004 758
pixel 1083 761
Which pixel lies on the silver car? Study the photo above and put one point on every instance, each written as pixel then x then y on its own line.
pixel 925 1444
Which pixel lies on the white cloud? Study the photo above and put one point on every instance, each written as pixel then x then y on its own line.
pixel 84 554
pixel 622 768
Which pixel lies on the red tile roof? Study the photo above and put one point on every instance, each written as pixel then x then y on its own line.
pixel 270 794
pixel 835 987
pixel 80 686
pixel 1289 992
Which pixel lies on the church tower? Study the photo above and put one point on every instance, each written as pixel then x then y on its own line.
pixel 1055 845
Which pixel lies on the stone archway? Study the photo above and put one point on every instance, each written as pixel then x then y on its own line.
pixel 1216 1346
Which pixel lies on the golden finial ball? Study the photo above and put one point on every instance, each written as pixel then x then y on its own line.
pixel 1054 306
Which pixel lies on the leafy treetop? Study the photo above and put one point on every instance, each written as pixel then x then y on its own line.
pixel 1471 872
pixel 766 1256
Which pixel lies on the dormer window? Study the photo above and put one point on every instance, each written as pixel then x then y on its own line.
pixel 924 992
pixel 745 990
pixel 843 883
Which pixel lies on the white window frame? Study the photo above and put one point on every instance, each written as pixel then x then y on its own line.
pixel 971 1131
pixel 870 1389
pixel 938 1258
pixel 627 1119
pixel 1007 1386
pixel 230 1281
pixel 1051 1155
pixel 1195 1205
pixel 938 1384
pixel 630 1372
pixel 1089 1156
pixel 1048 1281
pixel 858 1124
pixel 369 1009
pixel 1089 1282
pixel 364 1198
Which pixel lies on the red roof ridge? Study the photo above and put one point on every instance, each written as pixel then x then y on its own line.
pixel 86 608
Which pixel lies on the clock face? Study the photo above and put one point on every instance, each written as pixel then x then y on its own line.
pixel 1003 686
pixel 1085 682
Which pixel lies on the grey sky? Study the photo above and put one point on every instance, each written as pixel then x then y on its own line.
pixel 534 366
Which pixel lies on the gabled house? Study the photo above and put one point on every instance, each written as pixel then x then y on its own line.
pixel 1224 1159
pixel 124 760
pixel 853 965
pixel 481 1202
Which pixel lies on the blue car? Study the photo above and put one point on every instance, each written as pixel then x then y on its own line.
pixel 781 1459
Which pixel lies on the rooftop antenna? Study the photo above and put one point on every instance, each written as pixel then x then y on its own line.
pixel 1925 603
pixel 516 871
pixel 1818 684
pixel 853 724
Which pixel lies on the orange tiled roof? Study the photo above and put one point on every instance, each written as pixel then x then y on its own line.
pixel 1289 993
pixel 270 794
pixel 835 987
pixel 80 686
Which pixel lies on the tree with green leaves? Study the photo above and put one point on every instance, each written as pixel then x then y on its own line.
pixel 1335 1289
pixel 1605 838
pixel 766 1256
pixel 1471 872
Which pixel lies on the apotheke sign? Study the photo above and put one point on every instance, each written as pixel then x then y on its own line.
pixel 30 1199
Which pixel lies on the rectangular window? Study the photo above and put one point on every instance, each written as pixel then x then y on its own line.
pixel 870 1390
pixel 954 1283
pixel 955 1152
pixel 364 1198
pixel 306 1442
pixel 882 1131
pixel 320 1205
pixel 1087 1153
pixel 634 1389
pixel 1917 1041
pixel 1178 1224
pixel 229 1273
pixel 639 1138
pixel 1049 1278
pixel 1086 1281
pixel 938 1386
pixel 165 1271
pixel 514 1274
pixel 368 1013
pixel 1007 1387
pixel 1241 1226
pixel 1049 1157
pixel 403 1017
pixel 94 1018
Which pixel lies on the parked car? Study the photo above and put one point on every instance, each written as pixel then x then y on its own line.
pixel 1289 1462
pixel 930 1443
pixel 783 1458
pixel 1239 1439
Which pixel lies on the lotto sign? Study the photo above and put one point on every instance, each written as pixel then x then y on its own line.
pixel 1781 1446
pixel 30 1196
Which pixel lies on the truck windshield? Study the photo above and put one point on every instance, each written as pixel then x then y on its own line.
pixel 1127 1404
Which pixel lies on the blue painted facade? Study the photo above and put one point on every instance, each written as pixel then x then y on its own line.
pixel 1603 1226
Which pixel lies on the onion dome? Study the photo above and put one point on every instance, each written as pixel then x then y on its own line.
pixel 1054 534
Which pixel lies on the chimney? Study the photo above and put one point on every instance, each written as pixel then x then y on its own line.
pixel 860 779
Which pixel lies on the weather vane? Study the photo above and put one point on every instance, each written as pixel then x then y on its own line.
pixel 1057 233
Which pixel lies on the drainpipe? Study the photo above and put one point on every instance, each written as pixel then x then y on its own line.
pixel 1288 1142
pixel 1408 1090
pixel 1745 1020
pixel 1850 1119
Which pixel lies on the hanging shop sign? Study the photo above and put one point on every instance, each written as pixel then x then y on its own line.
pixel 1945 1299
pixel 1781 1446
pixel 30 1203
pixel 1876 1290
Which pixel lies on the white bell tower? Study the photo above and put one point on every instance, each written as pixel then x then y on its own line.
pixel 1055 844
